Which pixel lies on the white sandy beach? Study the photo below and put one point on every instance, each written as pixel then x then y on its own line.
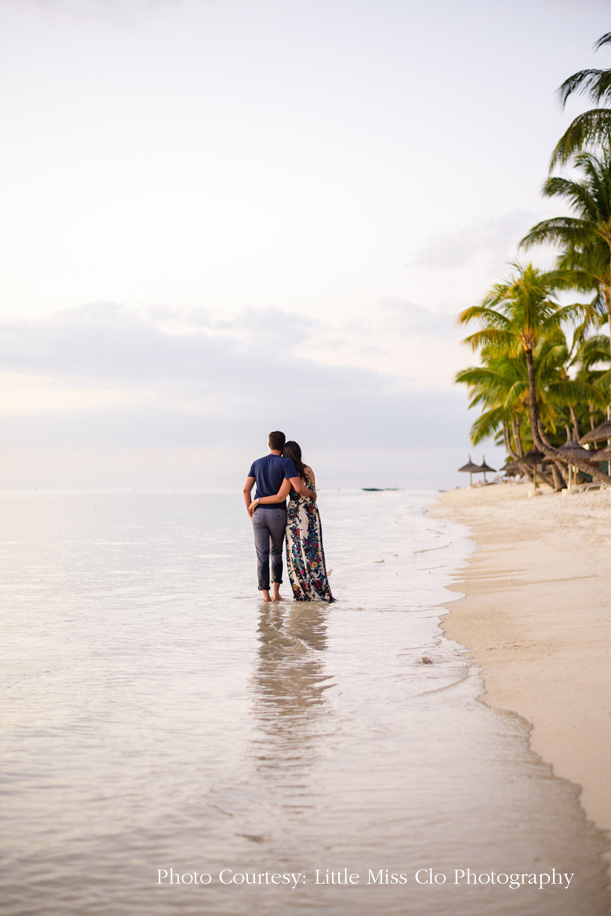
pixel 537 616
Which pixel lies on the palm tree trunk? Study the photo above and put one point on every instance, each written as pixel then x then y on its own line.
pixel 575 423
pixel 517 438
pixel 532 404
pixel 558 477
pixel 507 440
pixel 541 476
pixel 516 454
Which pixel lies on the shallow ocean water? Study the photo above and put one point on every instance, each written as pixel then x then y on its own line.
pixel 157 716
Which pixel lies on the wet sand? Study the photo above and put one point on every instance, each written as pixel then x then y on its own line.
pixel 537 616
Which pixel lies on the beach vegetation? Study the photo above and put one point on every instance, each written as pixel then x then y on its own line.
pixel 544 336
pixel 526 362
pixel 585 237
pixel 593 127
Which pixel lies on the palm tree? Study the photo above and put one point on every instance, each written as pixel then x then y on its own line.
pixel 593 366
pixel 516 316
pixel 513 317
pixel 563 394
pixel 592 128
pixel 500 387
pixel 586 237
pixel 593 360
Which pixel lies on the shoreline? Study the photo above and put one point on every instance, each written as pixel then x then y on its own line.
pixel 536 616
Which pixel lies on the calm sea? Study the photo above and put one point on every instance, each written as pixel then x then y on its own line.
pixel 158 718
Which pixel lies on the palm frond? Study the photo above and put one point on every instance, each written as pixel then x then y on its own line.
pixel 603 381
pixel 517 392
pixel 594 350
pixel 572 392
pixel 487 424
pixel 592 128
pixel 603 40
pixel 558 229
pixel 495 338
pixel 484 314
pixel 578 195
pixel 596 84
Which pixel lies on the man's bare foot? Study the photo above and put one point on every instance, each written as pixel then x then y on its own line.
pixel 276 596
pixel 265 593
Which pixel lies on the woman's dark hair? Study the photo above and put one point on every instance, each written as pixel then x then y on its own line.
pixel 292 450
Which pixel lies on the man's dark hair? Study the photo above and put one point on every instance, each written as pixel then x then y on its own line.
pixel 277 440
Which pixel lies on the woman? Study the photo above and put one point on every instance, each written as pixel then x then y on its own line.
pixel 305 558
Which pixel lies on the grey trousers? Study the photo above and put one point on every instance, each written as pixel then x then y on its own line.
pixel 269 523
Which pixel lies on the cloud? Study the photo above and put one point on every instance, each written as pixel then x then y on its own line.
pixel 341 419
pixel 405 317
pixel 497 238
pixel 200 386
pixel 108 342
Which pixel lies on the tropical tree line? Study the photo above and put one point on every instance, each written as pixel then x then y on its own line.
pixel 544 336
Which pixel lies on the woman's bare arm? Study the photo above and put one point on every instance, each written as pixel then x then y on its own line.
pixel 301 488
pixel 283 492
pixel 310 474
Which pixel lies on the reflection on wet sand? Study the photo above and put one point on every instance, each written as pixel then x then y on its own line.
pixel 289 684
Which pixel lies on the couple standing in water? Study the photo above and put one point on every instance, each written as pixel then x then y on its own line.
pixel 280 474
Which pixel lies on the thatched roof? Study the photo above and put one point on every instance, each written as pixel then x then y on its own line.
pixel 534 456
pixel 597 435
pixel 485 467
pixel 470 468
pixel 603 454
pixel 572 449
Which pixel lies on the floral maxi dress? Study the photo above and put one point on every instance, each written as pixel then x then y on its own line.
pixel 305 557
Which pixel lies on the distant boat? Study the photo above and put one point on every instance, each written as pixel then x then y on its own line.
pixel 381 489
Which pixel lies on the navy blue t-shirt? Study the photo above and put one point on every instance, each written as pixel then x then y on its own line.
pixel 269 472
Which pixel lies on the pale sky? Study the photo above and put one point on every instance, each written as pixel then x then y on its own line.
pixel 221 217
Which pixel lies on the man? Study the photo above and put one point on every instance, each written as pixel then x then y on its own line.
pixel 269 522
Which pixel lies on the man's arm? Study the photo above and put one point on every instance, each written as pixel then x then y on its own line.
pixel 250 482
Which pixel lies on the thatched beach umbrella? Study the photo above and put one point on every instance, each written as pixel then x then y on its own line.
pixel 572 449
pixel 470 469
pixel 511 468
pixel 597 435
pixel 534 458
pixel 603 454
pixel 485 467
